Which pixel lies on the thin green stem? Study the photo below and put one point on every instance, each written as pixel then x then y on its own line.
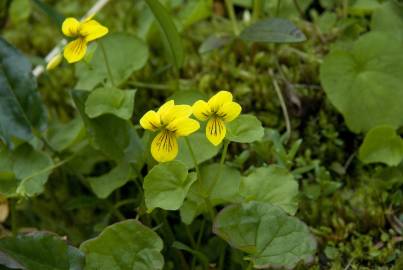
pixel 250 266
pixel 223 156
pixel 231 13
pixel 278 7
pixel 13 209
pixel 257 9
pixel 205 195
pixel 108 67
pixel 192 154
pixel 284 109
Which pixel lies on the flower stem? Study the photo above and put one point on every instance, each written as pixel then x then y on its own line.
pixel 192 154
pixel 223 156
pixel 284 109
pixel 13 211
pixel 108 67
pixel 200 182
pixel 231 13
pixel 257 9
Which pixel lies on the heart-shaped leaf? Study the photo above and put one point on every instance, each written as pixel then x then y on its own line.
pixel 224 189
pixel 28 171
pixel 245 129
pixel 273 185
pixel 122 246
pixel 365 83
pixel 110 101
pixel 265 232
pixel 125 54
pixel 167 185
pixel 105 184
pixel 382 144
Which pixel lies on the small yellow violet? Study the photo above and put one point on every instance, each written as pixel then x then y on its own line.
pixel 84 32
pixel 220 109
pixel 172 121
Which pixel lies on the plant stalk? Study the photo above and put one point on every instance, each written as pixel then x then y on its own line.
pixel 231 13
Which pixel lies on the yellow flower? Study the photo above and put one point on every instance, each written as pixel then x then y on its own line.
pixel 84 32
pixel 172 121
pixel 220 109
pixel 54 62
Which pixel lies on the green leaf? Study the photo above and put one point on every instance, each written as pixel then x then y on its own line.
pixel 170 32
pixel 224 189
pixel 273 185
pixel 105 184
pixel 273 30
pixel 270 237
pixel 122 246
pixel 202 149
pixel 30 171
pixel 21 108
pixel 42 251
pixel 19 11
pixel 110 101
pixel 216 41
pixel 166 185
pixel 364 79
pixel 108 133
pixel 125 53
pixel 364 7
pixel 63 135
pixel 382 144
pixel 245 129
pixel 389 18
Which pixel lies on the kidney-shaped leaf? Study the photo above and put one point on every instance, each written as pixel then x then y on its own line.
pixel 21 108
pixel 40 251
pixel 123 246
pixel 267 234
pixel 110 101
pixel 167 185
pixel 365 83
pixel 105 184
pixel 273 185
pixel 224 189
pixel 274 30
pixel 125 53
pixel 382 144
pixel 245 129
pixel 108 133
pixel 27 173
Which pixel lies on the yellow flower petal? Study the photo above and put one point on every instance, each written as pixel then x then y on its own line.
pixel 201 110
pixel 70 27
pixel 183 126
pixel 54 62
pixel 216 101
pixel 75 50
pixel 92 30
pixel 169 112
pixel 229 111
pixel 164 146
pixel 150 121
pixel 215 130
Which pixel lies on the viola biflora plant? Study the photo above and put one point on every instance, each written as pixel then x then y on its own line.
pixel 177 191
